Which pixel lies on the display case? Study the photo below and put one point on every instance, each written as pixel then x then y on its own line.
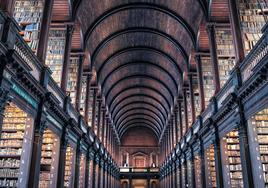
pixel 15 145
pixel 211 180
pixel 69 167
pixel 209 86
pixel 253 16
pixel 55 52
pixel 72 78
pixel 225 52
pixel 28 14
pixel 49 160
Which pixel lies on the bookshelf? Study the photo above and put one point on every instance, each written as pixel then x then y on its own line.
pixel 252 20
pixel 189 110
pixel 16 136
pixel 225 52
pixel 83 95
pixel 55 52
pixel 183 122
pixel 82 167
pixel 259 124
pixel 197 102
pixel 197 168
pixel 183 174
pixel 90 108
pixel 90 173
pixel 189 173
pixel 232 153
pixel 69 167
pixel 210 167
pixel 28 14
pixel 178 176
pixel 72 78
pixel 209 87
pixel 49 156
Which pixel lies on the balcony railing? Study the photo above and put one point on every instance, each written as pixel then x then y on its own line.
pixel 139 170
pixel 255 56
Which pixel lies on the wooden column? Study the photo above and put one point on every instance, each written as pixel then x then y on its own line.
pixel 7 6
pixel 200 81
pixel 236 31
pixel 44 31
pixel 94 172
pixel 176 125
pixel 39 128
pixel 100 175
pixel 103 124
pixel 203 164
pixel 87 168
pixel 193 168
pixel 213 55
pixel 180 119
pixel 191 88
pixel 185 108
pixel 218 163
pixel 62 159
pixel 66 57
pixel 86 117
pixel 245 151
pixel 79 83
pixel 175 174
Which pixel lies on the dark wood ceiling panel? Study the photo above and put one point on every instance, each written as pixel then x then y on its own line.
pixel 140 49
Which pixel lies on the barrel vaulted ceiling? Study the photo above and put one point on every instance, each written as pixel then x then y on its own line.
pixel 140 51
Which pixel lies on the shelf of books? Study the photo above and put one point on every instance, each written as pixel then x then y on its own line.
pixel 178 175
pixel 72 78
pixel 69 167
pixel 189 173
pixel 231 153
pixel 210 167
pixel 197 170
pixel 197 102
pixel 96 117
pixel 49 160
pixel 55 52
pixel 183 122
pixel 15 144
pixel 183 174
pixel 28 14
pixel 83 95
pixel 90 108
pixel 207 71
pixel 90 173
pixel 82 170
pixel 225 52
pixel 189 110
pixel 259 126
pixel 253 16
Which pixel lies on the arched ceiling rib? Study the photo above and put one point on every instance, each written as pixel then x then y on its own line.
pixel 140 50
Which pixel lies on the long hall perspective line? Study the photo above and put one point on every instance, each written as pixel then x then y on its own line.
pixel 133 94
